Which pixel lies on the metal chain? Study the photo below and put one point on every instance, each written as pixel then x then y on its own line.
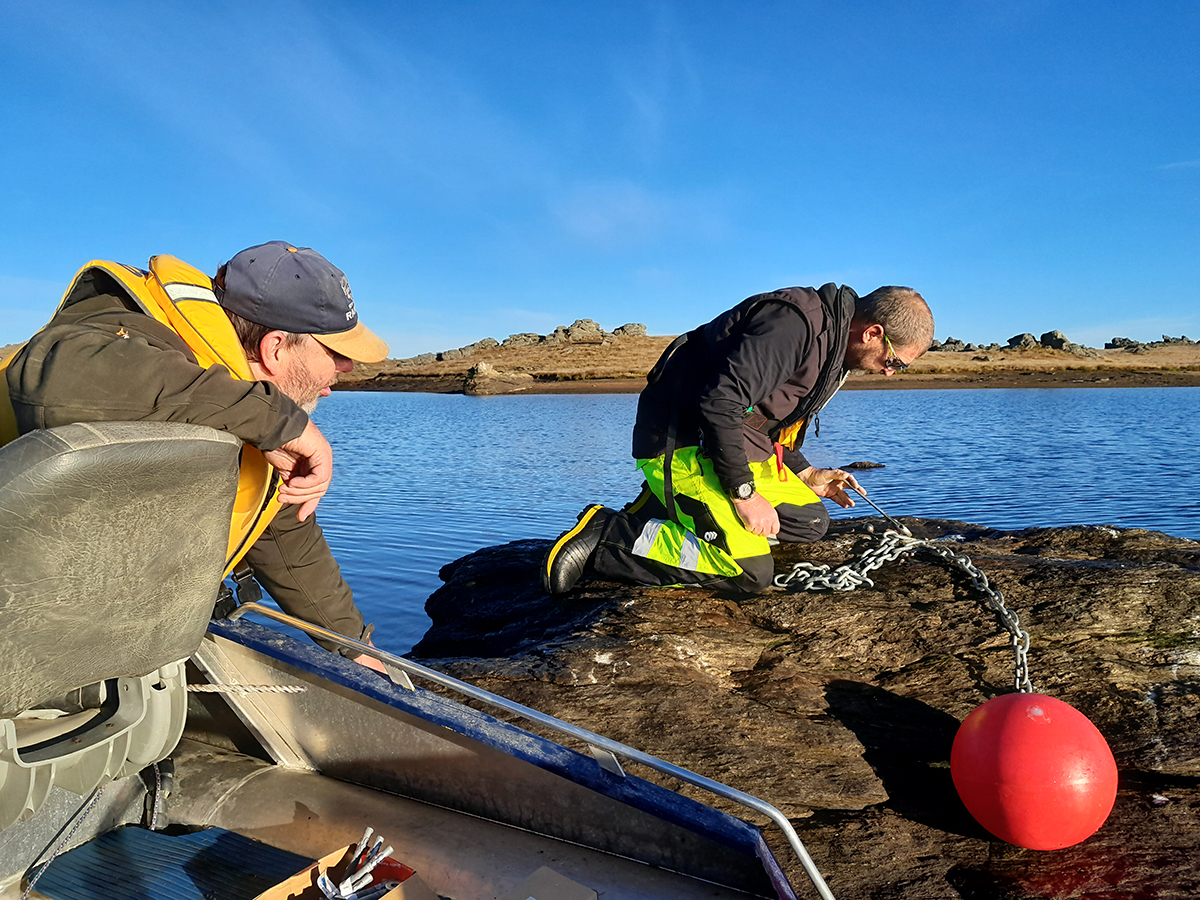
pixel 892 545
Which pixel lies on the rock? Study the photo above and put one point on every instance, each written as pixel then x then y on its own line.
pixel 981 358
pixel 558 336
pixel 632 329
pixel 1023 342
pixel 419 360
pixel 953 345
pixel 1053 339
pixel 585 330
pixel 862 464
pixel 1122 343
pixel 469 350
pixel 485 380
pixel 840 708
pixel 526 339
pixel 1080 350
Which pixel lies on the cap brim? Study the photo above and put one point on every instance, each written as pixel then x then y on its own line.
pixel 360 344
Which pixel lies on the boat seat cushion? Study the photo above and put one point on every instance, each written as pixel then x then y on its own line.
pixel 112 544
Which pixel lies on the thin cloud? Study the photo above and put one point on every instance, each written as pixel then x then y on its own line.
pixel 658 81
pixel 622 214
pixel 1186 164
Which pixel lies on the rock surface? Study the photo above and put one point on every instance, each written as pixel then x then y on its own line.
pixel 485 380
pixel 840 708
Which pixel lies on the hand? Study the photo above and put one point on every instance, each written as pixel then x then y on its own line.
pixel 758 515
pixel 831 483
pixel 305 465
pixel 365 659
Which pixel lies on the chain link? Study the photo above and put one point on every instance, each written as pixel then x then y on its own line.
pixel 892 545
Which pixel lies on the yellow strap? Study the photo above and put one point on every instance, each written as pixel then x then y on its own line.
pixel 788 435
pixel 8 418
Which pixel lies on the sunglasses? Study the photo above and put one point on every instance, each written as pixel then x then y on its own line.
pixel 893 362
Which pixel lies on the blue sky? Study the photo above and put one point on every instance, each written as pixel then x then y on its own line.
pixel 484 168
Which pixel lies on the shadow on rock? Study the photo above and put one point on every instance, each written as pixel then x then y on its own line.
pixel 492 604
pixel 907 743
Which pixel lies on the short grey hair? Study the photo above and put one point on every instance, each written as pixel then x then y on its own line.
pixel 250 334
pixel 903 313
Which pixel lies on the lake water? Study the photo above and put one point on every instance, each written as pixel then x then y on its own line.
pixel 422 479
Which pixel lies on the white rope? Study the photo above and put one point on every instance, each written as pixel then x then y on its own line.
pixel 247 688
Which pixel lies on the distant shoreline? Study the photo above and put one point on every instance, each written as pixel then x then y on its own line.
pixel 617 364
pixel 1098 378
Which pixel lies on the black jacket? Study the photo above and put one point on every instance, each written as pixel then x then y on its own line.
pixel 733 384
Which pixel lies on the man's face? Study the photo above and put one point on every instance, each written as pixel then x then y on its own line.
pixel 870 350
pixel 310 370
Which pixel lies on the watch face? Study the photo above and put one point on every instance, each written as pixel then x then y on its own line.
pixel 745 491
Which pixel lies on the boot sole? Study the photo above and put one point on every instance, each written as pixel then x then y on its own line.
pixel 559 545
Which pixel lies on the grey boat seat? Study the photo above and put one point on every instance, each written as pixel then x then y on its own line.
pixel 113 539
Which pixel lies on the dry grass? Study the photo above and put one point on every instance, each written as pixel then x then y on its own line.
pixel 623 358
pixel 631 357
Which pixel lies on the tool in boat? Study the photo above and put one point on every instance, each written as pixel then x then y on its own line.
pixel 375 891
pixel 358 878
pixel 362 860
pixel 361 846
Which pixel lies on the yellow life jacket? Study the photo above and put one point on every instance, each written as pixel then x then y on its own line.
pixel 181 297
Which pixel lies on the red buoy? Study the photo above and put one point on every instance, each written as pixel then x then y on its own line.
pixel 1034 771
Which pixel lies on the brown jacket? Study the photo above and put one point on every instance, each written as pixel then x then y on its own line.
pixel 99 360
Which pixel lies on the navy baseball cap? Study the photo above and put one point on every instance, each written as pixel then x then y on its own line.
pixel 296 289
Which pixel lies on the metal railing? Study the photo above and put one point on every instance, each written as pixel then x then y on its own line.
pixel 605 750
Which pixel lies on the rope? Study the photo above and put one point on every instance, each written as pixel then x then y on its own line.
pixel 77 818
pixel 157 798
pixel 892 545
pixel 247 688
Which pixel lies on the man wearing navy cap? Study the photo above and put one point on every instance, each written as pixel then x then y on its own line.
pixel 250 352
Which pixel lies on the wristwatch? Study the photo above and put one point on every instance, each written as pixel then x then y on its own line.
pixel 743 491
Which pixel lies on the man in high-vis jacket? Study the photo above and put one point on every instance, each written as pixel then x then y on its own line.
pixel 249 352
pixel 717 437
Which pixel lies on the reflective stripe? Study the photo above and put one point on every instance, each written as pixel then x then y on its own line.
pixel 645 542
pixel 689 553
pixel 178 291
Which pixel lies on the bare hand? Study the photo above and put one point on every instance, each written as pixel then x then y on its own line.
pixel 305 465
pixel 366 659
pixel 758 515
pixel 831 484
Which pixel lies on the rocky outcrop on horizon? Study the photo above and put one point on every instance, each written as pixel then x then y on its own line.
pixel 1123 343
pixel 840 708
pixel 581 331
pixel 1051 340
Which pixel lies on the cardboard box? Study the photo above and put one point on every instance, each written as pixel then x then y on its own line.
pixel 546 884
pixel 303 885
